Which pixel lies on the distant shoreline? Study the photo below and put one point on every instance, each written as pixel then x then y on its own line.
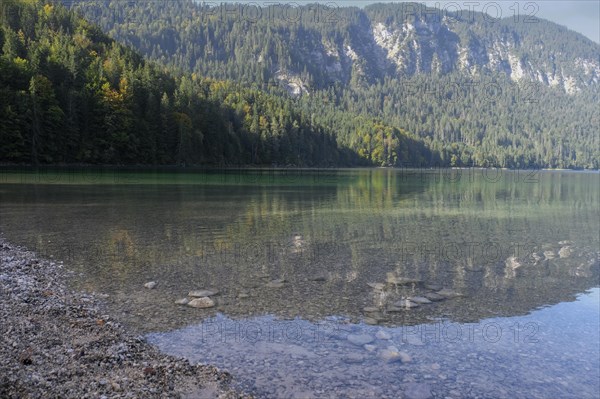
pixel 210 167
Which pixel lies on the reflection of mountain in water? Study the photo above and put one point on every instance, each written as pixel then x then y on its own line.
pixel 480 234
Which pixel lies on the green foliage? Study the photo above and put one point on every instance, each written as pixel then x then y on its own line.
pixel 69 94
pixel 388 118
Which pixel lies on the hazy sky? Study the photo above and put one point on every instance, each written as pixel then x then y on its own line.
pixel 582 16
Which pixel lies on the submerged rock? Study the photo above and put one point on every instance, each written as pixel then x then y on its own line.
pixel 565 252
pixel 202 293
pixel 405 357
pixel 201 303
pixel 405 304
pixel 377 286
pixel 389 356
pixel 360 339
pixel 392 354
pixel 150 285
pixel 419 299
pixel 434 296
pixel 513 263
pixel 433 287
pixel 384 335
pixel 182 301
pixel 448 293
pixel 371 321
pixel 549 254
pixel 276 284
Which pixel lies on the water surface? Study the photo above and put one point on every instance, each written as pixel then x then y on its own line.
pixel 520 248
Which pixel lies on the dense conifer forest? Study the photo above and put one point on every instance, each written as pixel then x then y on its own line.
pixel 177 82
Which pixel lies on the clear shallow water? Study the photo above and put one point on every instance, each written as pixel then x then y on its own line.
pixel 510 242
pixel 551 353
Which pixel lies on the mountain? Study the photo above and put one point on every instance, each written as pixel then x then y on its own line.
pixel 70 94
pixel 325 47
pixel 344 87
pixel 472 89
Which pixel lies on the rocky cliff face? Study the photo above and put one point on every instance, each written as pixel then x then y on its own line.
pixel 548 54
pixel 354 45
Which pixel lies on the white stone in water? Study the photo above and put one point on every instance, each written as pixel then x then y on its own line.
pixel 391 355
pixel 549 254
pixel 202 293
pixel 564 252
pixel 201 303
pixel 513 263
pixel 150 285
pixel 182 301
pixel 383 335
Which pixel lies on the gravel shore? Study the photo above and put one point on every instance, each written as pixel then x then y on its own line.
pixel 55 342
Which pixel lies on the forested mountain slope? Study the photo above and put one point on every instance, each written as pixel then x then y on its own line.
pixel 70 94
pixel 358 87
pixel 514 92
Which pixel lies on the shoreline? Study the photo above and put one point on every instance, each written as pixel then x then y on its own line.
pixel 57 342
pixel 262 167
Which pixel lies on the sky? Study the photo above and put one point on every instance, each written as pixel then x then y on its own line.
pixel 582 16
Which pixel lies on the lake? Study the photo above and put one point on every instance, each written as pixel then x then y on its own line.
pixel 339 282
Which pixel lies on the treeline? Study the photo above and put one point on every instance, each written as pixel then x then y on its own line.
pixel 443 117
pixel 69 94
pixel 483 121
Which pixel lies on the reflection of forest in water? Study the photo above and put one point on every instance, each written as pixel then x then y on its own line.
pixel 457 229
